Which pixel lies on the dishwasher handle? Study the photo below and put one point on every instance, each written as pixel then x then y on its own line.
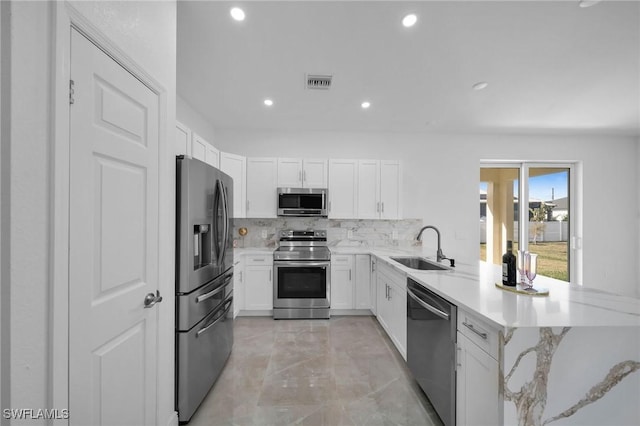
pixel 428 307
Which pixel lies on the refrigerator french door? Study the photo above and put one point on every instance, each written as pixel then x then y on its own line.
pixel 204 280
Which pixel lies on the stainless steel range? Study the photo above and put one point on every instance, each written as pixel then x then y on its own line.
pixel 302 275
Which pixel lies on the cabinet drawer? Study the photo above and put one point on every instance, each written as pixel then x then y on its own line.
pixel 258 260
pixel 341 259
pixel 479 332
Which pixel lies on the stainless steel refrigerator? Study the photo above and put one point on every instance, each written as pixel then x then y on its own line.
pixel 204 280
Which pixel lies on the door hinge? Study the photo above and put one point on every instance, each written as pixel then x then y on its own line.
pixel 71 92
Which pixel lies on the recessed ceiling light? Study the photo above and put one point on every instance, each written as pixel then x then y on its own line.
pixel 237 14
pixel 480 85
pixel 588 3
pixel 365 104
pixel 268 102
pixel 409 20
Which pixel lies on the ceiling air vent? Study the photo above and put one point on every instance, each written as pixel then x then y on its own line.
pixel 317 81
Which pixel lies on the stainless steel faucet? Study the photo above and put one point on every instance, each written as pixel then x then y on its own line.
pixel 439 255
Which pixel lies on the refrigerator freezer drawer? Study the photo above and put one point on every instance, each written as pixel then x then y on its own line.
pixel 201 354
pixel 192 307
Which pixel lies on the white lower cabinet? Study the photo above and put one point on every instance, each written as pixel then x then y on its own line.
pixel 477 373
pixel 392 305
pixel 362 290
pixel 238 286
pixel 258 282
pixel 342 279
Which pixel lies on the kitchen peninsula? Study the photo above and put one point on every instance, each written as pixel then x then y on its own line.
pixel 572 356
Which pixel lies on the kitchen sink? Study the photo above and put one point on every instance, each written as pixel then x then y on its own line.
pixel 420 263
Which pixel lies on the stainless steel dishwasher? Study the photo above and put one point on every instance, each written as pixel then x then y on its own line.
pixel 431 348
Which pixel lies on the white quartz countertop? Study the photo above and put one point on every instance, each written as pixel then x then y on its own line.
pixel 472 287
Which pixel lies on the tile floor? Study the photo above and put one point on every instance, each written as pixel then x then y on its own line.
pixel 342 371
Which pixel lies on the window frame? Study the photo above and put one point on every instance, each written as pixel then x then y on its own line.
pixel 574 240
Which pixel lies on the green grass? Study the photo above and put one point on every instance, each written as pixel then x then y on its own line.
pixel 552 258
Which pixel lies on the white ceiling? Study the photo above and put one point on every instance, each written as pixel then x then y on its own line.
pixel 552 67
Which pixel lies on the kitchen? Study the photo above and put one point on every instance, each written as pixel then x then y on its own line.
pixel 439 164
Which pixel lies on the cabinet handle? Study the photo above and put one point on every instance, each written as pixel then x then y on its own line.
pixel 241 276
pixel 458 350
pixel 349 274
pixel 258 259
pixel 390 294
pixel 378 207
pixel 472 328
pixel 383 207
pixel 373 266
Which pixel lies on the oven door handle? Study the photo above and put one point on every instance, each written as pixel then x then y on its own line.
pixel 300 263
pixel 428 307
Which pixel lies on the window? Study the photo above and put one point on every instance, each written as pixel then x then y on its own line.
pixel 543 225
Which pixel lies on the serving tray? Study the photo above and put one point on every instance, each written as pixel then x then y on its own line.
pixel 518 289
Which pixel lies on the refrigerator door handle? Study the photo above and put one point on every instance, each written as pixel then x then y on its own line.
pixel 225 232
pixel 220 318
pixel 214 292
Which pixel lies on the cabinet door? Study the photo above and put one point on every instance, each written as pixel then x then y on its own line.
pixel 390 190
pixel 363 282
pixel 258 287
pixel 314 173
pixel 342 277
pixel 290 172
pixel 238 288
pixel 212 156
pixel 343 189
pixel 368 189
pixel 477 389
pixel 383 305
pixel 398 320
pixel 235 166
pixel 183 139
pixel 198 147
pixel 374 286
pixel 262 184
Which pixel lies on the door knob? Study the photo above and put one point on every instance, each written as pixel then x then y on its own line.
pixel 151 299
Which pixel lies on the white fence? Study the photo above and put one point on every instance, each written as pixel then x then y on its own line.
pixel 552 231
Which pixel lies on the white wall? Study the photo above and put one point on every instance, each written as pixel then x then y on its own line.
pixel 194 120
pixel 441 176
pixel 146 32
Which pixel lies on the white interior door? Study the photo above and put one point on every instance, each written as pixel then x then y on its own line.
pixel 113 254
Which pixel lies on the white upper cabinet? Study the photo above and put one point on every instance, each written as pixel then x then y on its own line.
pixel 236 167
pixel 379 189
pixel 198 147
pixel 390 189
pixel 368 189
pixel 314 173
pixel 212 156
pixel 262 183
pixel 343 189
pixel 302 173
pixel 183 139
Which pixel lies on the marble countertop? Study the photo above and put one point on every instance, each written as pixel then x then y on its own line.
pixel 472 287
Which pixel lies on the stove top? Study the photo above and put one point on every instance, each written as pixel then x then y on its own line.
pixel 302 245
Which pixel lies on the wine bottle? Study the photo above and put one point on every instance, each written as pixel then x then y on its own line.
pixel 509 266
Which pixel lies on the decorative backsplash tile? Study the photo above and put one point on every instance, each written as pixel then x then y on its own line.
pixel 401 233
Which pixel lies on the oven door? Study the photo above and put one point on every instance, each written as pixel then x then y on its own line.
pixel 302 284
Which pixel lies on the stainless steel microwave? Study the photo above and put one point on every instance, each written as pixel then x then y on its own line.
pixel 306 202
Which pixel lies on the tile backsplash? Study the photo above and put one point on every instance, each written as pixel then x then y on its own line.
pixel 340 232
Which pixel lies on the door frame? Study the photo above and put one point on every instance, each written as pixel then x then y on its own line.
pixel 66 17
